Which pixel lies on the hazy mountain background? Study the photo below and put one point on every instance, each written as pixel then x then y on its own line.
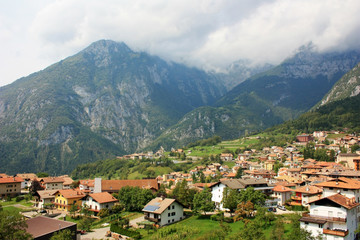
pixel 108 100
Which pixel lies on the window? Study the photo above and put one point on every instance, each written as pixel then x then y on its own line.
pixel 169 208
pixel 168 221
pixel 173 220
pixel 173 206
pixel 173 214
pixel 168 214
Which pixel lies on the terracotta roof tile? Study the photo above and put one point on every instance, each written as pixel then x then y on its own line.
pixel 280 188
pixel 11 180
pixel 342 182
pixel 71 193
pixel 115 185
pixel 163 204
pixel 348 203
pixel 103 197
pixel 308 190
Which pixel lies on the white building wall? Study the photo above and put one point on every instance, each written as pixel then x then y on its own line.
pixel 217 195
pixel 172 215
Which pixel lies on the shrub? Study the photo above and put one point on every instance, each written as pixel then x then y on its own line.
pixel 115 227
pixel 103 213
pixel 217 217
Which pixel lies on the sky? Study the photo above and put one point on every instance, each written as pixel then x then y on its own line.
pixel 207 34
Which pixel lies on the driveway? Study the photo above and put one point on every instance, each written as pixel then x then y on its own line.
pixel 98 233
pixel 134 222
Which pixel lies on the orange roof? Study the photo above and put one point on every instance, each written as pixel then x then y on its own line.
pixel 115 185
pixel 2 175
pixel 103 197
pixel 27 175
pixel 231 175
pixel 342 182
pixel 280 188
pixel 348 203
pixel 11 180
pixel 89 182
pixel 308 189
pixel 70 193
pixel 52 180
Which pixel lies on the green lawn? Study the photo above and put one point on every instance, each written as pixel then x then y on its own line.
pixel 202 225
pixel 12 209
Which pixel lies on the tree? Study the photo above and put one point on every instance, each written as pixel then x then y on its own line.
pixel 252 230
pixel 35 186
pixel 239 173
pixel 244 210
pixel 63 235
pixel 230 199
pixel 13 226
pixel 134 198
pixel 256 197
pixel 42 174
pixel 202 201
pixel 85 223
pixel 278 231
pixel 183 193
pixel 73 209
pixel 103 213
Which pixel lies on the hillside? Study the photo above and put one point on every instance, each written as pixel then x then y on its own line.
pixel 266 99
pixel 347 86
pixel 338 115
pixel 106 100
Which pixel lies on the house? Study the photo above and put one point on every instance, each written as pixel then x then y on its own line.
pixel 98 201
pixel 226 157
pixel 113 186
pixel 44 197
pixel 43 228
pixel 52 183
pixel 347 159
pixel 68 181
pixel 304 138
pixel 87 185
pixel 163 211
pixel 346 186
pixel 335 217
pixel 306 194
pixel 238 184
pixel 28 178
pixel 10 186
pixel 64 199
pixel 282 194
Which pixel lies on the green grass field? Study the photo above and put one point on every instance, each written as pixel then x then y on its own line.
pixel 203 226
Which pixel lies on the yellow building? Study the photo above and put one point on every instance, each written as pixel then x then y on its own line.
pixel 64 199
pixel 269 165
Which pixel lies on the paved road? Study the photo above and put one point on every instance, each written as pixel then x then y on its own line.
pixel 98 233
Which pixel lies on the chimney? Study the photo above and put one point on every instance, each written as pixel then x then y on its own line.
pixel 97 185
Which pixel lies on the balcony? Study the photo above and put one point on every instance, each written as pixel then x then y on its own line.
pixel 152 219
pixel 329 219
pixel 296 198
pixel 336 232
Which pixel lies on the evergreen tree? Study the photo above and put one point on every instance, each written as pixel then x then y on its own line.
pixel 202 201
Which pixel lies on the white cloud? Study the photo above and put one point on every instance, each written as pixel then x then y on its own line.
pixel 209 34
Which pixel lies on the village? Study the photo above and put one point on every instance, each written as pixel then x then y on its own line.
pixel 325 193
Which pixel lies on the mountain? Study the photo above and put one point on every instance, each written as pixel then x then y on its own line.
pixel 266 99
pixel 104 101
pixel 342 115
pixel 240 70
pixel 347 86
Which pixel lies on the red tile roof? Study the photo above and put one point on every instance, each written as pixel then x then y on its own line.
pixel 103 197
pixel 342 182
pixel 71 193
pixel 348 203
pixel 115 185
pixel 280 188
pixel 308 190
pixel 11 180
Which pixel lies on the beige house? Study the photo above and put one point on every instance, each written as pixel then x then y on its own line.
pixel 281 194
pixel 52 183
pixel 164 211
pixel 44 197
pixel 10 186
pixel 347 159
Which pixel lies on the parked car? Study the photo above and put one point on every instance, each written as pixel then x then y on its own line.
pixel 281 207
pixel 272 209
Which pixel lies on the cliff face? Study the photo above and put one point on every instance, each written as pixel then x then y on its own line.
pixel 347 86
pixel 103 101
